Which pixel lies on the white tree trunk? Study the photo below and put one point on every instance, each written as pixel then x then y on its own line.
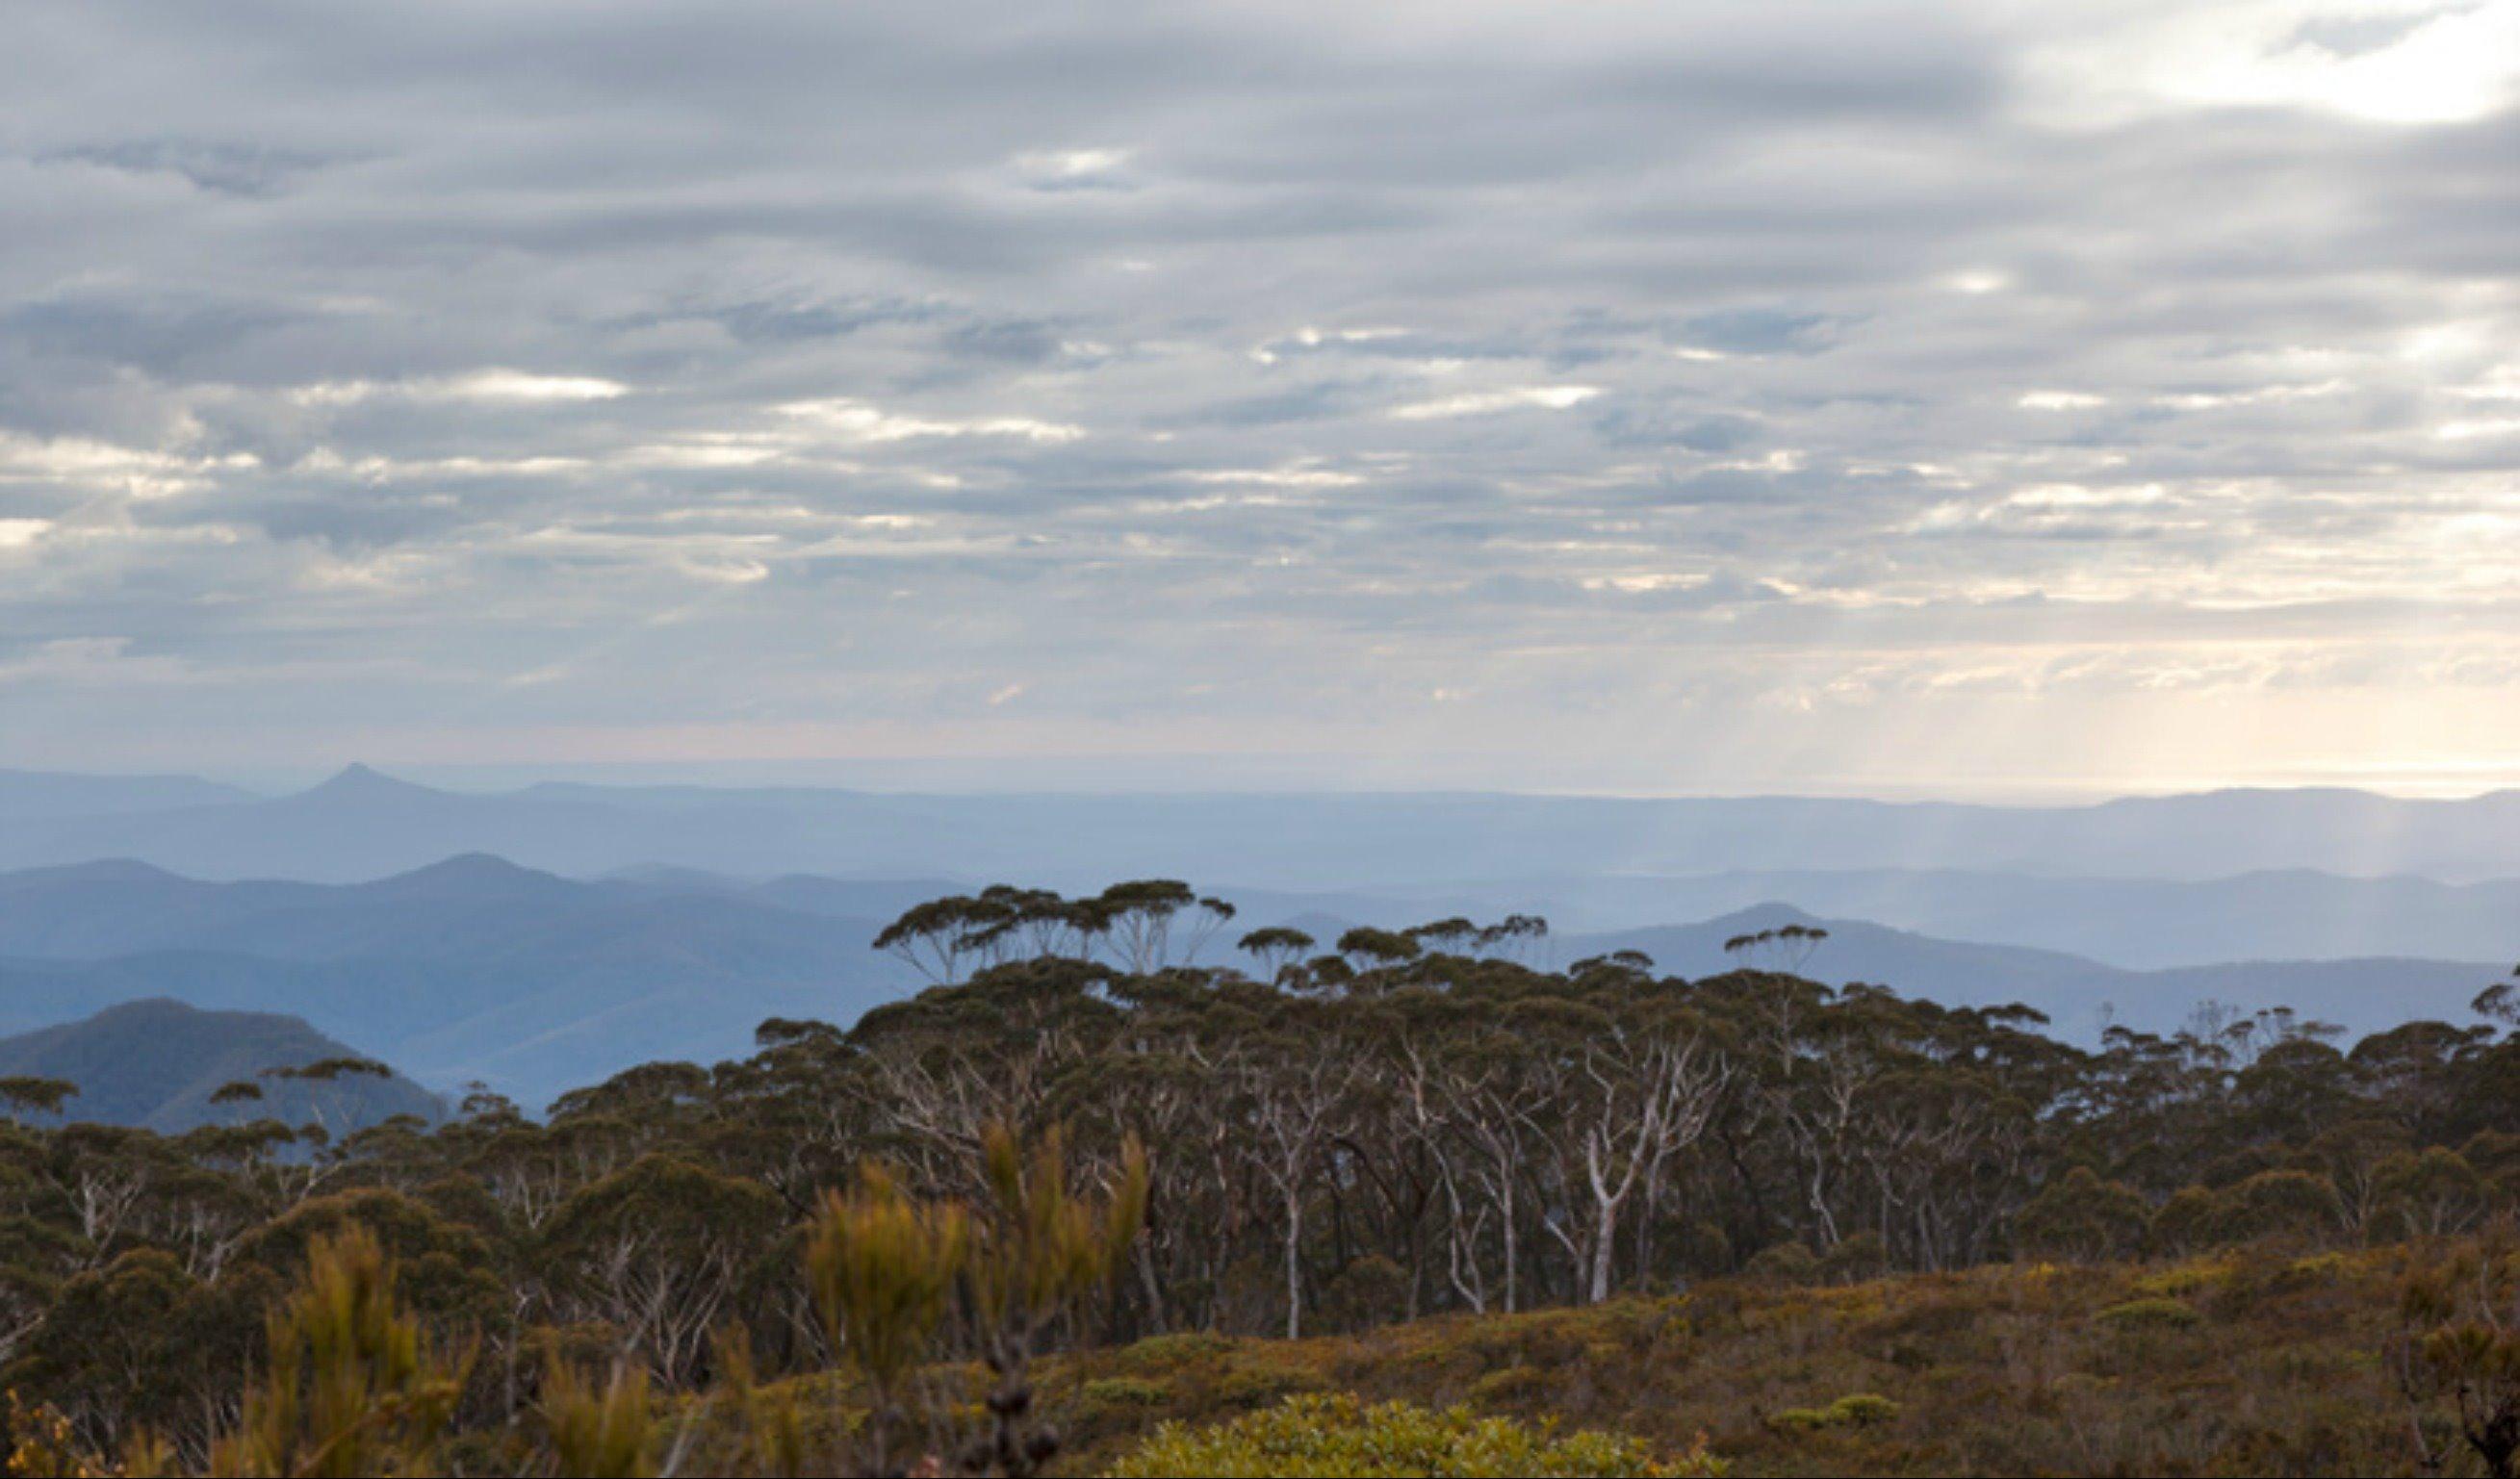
pixel 1605 1239
pixel 1294 1266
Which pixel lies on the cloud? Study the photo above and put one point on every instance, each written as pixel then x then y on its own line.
pixel 1071 168
pixel 1230 378
pixel 1491 402
pixel 2402 64
pixel 856 420
pixel 474 385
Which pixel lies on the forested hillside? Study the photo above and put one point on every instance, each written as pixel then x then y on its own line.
pixel 167 1066
pixel 1084 1146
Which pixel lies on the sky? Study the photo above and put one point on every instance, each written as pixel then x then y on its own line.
pixel 1969 399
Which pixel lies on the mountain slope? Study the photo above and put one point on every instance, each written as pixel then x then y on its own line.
pixel 29 794
pixel 470 968
pixel 530 1024
pixel 155 1063
pixel 2079 995
pixel 2142 924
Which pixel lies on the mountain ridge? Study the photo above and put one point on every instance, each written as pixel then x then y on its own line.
pixel 362 824
pixel 475 967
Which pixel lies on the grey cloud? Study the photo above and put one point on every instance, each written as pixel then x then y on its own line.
pixel 1759 331
pixel 1749 356
pixel 223 168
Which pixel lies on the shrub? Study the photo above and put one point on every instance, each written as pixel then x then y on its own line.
pixel 1856 1409
pixel 1860 1257
pixel 2291 1207
pixel 1788 1263
pixel 601 1433
pixel 1863 1409
pixel 1125 1392
pixel 1163 1353
pixel 1265 1382
pixel 2188 1222
pixel 2150 1315
pixel 351 1386
pixel 2178 1283
pixel 1362 1294
pixel 1340 1435
pixel 1507 1384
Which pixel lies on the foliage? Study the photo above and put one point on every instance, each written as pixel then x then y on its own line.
pixel 2459 1362
pixel 1022 1217
pixel 2151 1313
pixel 606 1434
pixel 1337 1435
pixel 352 1386
pixel 881 1269
pixel 1038 1248
pixel 1856 1409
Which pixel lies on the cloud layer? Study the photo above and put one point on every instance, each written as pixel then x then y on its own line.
pixel 1627 396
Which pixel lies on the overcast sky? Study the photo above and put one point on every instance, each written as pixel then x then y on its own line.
pixel 1975 400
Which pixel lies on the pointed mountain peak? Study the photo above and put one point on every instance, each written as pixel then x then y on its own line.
pixel 361 783
pixel 1771 914
pixel 358 777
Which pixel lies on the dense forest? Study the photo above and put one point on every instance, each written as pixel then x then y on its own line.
pixel 1010 1224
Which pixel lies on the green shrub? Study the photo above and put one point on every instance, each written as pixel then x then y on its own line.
pixel 1125 1392
pixel 2178 1282
pixel 1358 1298
pixel 2150 1315
pixel 1786 1262
pixel 1166 1352
pixel 1339 1435
pixel 1265 1382
pixel 1507 1385
pixel 1856 1409
pixel 1863 1409
pixel 2189 1221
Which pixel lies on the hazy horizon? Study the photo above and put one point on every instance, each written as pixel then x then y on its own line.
pixel 1159 776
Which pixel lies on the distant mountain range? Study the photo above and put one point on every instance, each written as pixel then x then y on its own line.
pixel 156 1062
pixel 363 825
pixel 2080 995
pixel 477 969
pixel 2140 924
pixel 471 969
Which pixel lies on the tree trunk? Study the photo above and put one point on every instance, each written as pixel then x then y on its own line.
pixel 1513 1250
pixel 1605 1239
pixel 1153 1287
pixel 1294 1266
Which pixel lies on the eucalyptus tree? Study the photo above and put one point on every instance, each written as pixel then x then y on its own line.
pixel 1628 1082
pixel 1290 1085
pixel 1275 947
pixel 660 1251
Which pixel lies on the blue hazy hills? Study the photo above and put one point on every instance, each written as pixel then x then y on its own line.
pixel 539 939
